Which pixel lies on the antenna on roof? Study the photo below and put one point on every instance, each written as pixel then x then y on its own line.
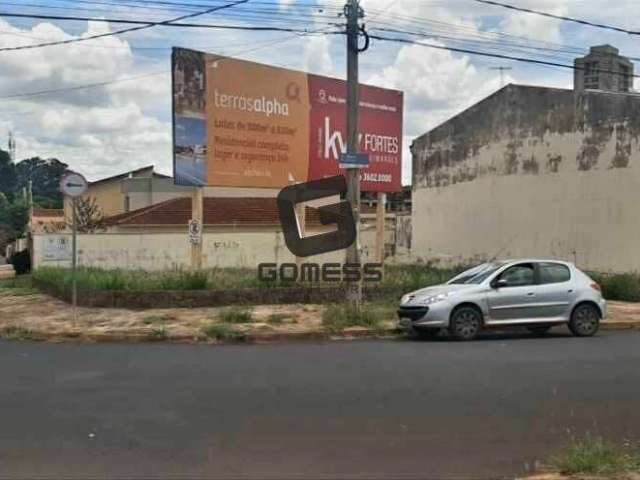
pixel 502 70
pixel 12 147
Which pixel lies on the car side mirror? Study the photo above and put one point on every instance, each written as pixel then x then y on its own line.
pixel 500 283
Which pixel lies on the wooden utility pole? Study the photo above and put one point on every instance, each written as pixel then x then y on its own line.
pixel 353 11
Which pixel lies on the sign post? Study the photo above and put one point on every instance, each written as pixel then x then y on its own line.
pixel 74 185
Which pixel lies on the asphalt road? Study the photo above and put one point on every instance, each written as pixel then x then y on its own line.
pixel 366 409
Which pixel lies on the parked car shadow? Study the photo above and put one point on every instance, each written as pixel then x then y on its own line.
pixel 496 334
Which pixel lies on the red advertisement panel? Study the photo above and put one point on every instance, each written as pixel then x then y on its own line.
pixel 379 124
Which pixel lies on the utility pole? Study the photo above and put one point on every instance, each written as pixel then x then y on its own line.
pixel 353 12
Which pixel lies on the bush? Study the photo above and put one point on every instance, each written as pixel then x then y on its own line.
pixel 236 315
pixel 223 331
pixel 336 318
pixel 21 262
pixel 596 456
pixel 184 281
pixel 624 287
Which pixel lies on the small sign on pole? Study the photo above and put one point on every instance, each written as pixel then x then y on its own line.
pixel 74 185
pixel 354 160
pixel 195 231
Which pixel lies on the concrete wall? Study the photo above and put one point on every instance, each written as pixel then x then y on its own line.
pixel 168 250
pixel 532 172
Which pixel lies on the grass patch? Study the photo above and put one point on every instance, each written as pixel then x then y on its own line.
pixel 336 318
pixel 224 332
pixel 236 315
pixel 13 332
pixel 162 318
pixel 20 285
pixel 278 318
pixel 596 456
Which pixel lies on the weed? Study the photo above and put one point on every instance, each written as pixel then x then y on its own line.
pixel 336 318
pixel 596 456
pixel 236 315
pixel 159 333
pixel 14 332
pixel 224 332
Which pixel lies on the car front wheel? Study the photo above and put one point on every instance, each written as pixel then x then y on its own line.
pixel 585 320
pixel 466 323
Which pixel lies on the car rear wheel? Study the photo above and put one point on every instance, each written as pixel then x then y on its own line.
pixel 539 329
pixel 466 323
pixel 585 320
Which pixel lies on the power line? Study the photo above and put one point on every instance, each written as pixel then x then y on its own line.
pixel 488 54
pixel 137 77
pixel 559 17
pixel 117 32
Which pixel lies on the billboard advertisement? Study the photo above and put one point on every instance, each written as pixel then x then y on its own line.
pixel 244 124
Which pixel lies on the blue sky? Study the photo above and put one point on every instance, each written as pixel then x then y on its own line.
pixel 126 124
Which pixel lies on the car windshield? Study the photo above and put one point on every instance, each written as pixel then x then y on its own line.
pixel 476 274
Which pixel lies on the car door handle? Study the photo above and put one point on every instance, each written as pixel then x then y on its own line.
pixel 570 290
pixel 531 294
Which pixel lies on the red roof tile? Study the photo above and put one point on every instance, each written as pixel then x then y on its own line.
pixel 217 211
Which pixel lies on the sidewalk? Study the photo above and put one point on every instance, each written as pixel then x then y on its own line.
pixel 29 315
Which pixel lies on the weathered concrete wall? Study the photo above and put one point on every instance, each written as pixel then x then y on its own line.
pixel 532 172
pixel 169 249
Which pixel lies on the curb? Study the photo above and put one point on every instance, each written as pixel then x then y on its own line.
pixel 260 338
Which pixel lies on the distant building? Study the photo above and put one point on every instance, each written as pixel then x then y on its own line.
pixel 603 69
pixel 536 172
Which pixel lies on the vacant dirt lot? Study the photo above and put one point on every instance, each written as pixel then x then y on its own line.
pixel 24 313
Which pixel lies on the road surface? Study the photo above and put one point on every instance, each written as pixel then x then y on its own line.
pixel 366 409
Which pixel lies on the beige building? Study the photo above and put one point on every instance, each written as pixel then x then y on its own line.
pixel 533 172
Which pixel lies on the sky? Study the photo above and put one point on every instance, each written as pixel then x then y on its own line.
pixel 123 121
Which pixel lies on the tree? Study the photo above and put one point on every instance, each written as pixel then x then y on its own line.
pixel 7 175
pixel 45 179
pixel 13 220
pixel 89 216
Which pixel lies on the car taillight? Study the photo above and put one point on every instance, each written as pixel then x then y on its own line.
pixel 596 287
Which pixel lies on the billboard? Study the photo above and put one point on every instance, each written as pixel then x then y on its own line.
pixel 244 124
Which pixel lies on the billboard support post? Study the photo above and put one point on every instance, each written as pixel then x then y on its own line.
pixel 301 215
pixel 197 201
pixel 380 226
pixel 352 11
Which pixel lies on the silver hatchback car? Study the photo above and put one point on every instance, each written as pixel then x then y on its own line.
pixel 536 294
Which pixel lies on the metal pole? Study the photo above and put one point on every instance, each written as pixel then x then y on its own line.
pixel 74 230
pixel 352 11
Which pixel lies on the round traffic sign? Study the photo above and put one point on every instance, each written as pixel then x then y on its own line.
pixel 73 184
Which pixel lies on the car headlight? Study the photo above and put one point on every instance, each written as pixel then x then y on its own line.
pixel 436 298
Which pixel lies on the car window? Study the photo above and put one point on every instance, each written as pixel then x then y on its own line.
pixel 554 273
pixel 519 275
pixel 476 274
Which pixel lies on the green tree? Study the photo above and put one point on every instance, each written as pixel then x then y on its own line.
pixel 7 175
pixel 45 179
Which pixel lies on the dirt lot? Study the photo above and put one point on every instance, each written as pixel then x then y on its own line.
pixel 26 313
